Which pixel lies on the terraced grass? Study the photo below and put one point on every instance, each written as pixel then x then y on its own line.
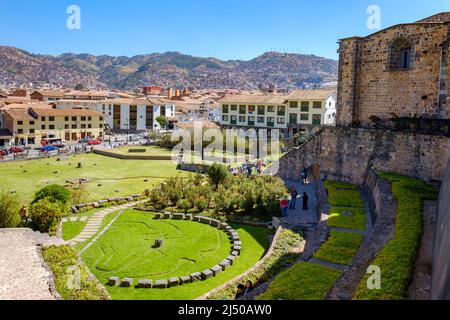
pixel 125 250
pixel 340 247
pixel 397 258
pixel 304 281
pixel 108 177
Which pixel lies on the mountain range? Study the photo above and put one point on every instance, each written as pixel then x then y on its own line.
pixel 287 71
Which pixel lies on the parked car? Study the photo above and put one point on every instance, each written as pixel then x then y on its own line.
pixel 94 142
pixel 3 153
pixel 85 140
pixel 49 148
pixel 4 149
pixel 16 150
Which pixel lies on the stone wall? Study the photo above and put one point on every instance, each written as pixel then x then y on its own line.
pixel 346 153
pixel 369 85
pixel 440 285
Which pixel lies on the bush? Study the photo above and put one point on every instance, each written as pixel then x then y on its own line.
pixel 201 204
pixel 45 214
pixel 9 210
pixel 184 205
pixel 78 195
pixel 53 192
pixel 217 174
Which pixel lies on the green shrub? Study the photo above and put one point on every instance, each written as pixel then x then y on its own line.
pixel 78 195
pixel 64 262
pixel 340 247
pixel 54 192
pixel 184 205
pixel 397 258
pixel 9 210
pixel 45 214
pixel 201 204
pixel 217 173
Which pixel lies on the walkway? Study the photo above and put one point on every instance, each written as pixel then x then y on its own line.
pixel 300 217
pixel 22 274
pixel 95 222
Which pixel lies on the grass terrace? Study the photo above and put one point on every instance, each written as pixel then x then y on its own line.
pixel 340 247
pixel 397 258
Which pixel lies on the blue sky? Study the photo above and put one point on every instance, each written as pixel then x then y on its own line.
pixel 226 29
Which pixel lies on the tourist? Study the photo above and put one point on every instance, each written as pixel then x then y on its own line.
pixel 248 287
pixel 294 196
pixel 305 176
pixel 284 203
pixel 240 291
pixel 305 201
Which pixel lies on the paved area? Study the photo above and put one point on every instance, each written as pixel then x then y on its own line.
pixel 22 274
pixel 95 222
pixel 300 217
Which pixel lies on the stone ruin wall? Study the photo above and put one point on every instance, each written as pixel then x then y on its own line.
pixel 345 154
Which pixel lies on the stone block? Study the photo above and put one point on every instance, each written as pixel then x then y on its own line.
pixel 161 284
pixel 235 237
pixel 237 243
pixel 238 249
pixel 235 253
pixel 178 216
pixel 158 215
pixel 215 223
pixel 188 216
pixel 144 284
pixel 167 215
pixel 207 274
pixel 129 199
pixel 216 270
pixel 113 281
pixel 103 202
pixel 196 219
pixel 225 264
pixel 126 283
pixel 196 276
pixel 231 258
pixel 96 205
pixel 224 226
pixel 205 220
pixel 185 280
pixel 74 209
pixel 173 282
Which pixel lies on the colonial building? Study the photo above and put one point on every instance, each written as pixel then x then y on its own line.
pixel 397 72
pixel 53 95
pixel 31 126
pixel 288 113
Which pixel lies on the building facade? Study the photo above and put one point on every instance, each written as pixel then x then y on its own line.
pixel 397 72
pixel 288 113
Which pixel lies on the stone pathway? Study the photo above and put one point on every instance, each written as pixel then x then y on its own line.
pixel 328 264
pixel 300 217
pixel 22 273
pixel 96 220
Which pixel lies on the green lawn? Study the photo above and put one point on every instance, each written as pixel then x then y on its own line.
pixel 125 250
pixel 109 177
pixel 149 151
pixel 343 194
pixel 340 247
pixel 355 221
pixel 304 281
pixel 397 258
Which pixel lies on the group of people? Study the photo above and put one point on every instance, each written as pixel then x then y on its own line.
pixel 244 289
pixel 247 168
pixel 290 202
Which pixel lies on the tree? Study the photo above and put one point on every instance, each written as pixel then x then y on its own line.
pixel 163 121
pixel 9 210
pixel 53 192
pixel 217 174
pixel 78 195
pixel 45 214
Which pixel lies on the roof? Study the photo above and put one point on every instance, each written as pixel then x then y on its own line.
pixel 254 98
pixel 50 93
pixel 19 114
pixel 139 101
pixel 65 112
pixel 27 106
pixel 310 94
pixel 86 93
pixel 190 125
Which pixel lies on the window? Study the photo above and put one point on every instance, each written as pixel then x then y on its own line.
pixel 234 108
pixel 304 117
pixel 293 104
pixel 31 123
pixel 293 118
pixel 270 121
pixel 19 123
pixel 89 118
pixel 74 118
pixel 242 118
pixel 317 118
pixel 305 106
pixel 251 120
pixel 100 119
pixel 32 131
pixel 401 54
pixel 281 120
pixel 83 126
pixel 270 109
pixel 66 119
pixel 74 126
pixel 51 127
pixel 225 109
pixel 19 131
pixel 317 105
pixel 251 109
pixel 66 126
pixel 42 118
pixel 281 110
pixel 52 119
pixel 225 118
pixel 242 109
pixel 261 110
pixel 83 118
pixel 261 120
pixel 43 127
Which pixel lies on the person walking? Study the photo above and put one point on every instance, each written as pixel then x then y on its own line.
pixel 294 196
pixel 284 203
pixel 305 176
pixel 305 201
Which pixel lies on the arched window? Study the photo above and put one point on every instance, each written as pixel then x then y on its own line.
pixel 401 54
